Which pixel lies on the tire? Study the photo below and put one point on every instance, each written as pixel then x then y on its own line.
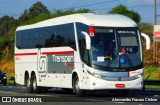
pixel 34 87
pixel 5 83
pixel 76 87
pixel 28 84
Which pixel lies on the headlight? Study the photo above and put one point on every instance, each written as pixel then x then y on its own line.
pixel 93 74
pixel 98 75
pixel 138 76
pixel 4 77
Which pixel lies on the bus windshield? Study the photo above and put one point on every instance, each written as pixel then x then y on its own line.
pixel 116 48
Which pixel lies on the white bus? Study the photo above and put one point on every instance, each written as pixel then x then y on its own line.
pixel 80 52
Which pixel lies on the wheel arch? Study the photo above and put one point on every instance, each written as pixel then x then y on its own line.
pixel 33 74
pixel 26 75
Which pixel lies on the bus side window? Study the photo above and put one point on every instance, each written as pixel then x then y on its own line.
pixel 84 52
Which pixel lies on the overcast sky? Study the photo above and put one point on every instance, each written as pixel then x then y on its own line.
pixel 144 7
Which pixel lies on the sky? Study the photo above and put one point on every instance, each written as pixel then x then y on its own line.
pixel 144 7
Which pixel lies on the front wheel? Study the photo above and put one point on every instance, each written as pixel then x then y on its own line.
pixel 76 87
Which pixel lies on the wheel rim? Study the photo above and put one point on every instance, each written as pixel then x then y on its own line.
pixel 77 87
pixel 34 84
pixel 28 84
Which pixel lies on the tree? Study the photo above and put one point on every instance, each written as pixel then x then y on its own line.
pixel 120 9
pixel 146 28
pixel 2 43
pixel 6 23
pixel 58 13
pixel 38 9
pixel 84 11
pixel 25 16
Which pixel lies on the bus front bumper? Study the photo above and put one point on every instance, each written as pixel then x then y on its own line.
pixel 101 84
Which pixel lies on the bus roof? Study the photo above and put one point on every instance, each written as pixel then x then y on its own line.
pixel 91 19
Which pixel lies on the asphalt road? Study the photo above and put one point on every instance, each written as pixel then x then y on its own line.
pixel 18 94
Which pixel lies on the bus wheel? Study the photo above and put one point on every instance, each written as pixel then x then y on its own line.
pixel 35 88
pixel 28 85
pixel 76 87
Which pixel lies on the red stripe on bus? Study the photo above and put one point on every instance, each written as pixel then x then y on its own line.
pixel 62 52
pixel 23 54
pixel 45 53
pixel 70 65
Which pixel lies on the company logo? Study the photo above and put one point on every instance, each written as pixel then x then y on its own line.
pixel 21 99
pixel 63 58
pixel 6 99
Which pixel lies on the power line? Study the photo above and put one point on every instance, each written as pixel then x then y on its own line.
pixel 98 3
pixel 89 5
pixel 138 6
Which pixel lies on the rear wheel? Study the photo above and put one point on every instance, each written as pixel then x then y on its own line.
pixel 34 87
pixel 28 84
pixel 76 87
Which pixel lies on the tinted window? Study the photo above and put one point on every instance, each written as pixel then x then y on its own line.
pixel 53 36
pixel 84 53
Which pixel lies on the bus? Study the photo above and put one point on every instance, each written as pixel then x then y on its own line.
pixel 80 52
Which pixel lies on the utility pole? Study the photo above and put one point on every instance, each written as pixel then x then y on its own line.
pixel 155 22
pixel 155 12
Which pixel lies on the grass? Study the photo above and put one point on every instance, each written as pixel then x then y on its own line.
pixel 152 86
pixel 151 73
pixel 10 74
pixel 9 81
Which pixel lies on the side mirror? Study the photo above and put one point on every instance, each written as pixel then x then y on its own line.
pixel 88 40
pixel 148 41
